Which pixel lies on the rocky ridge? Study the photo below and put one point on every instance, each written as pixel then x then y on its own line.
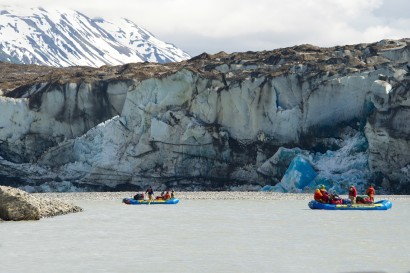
pixel 210 122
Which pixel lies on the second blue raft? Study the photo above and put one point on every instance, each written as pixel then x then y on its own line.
pixel 379 205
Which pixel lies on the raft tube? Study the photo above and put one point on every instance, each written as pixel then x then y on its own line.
pixel 131 201
pixel 379 205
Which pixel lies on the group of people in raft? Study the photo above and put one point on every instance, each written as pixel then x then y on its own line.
pixel 322 196
pixel 150 192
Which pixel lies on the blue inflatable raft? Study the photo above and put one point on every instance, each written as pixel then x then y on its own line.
pixel 379 205
pixel 131 201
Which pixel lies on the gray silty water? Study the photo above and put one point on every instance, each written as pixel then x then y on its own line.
pixel 210 236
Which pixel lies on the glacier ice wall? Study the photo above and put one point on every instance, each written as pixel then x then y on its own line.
pixel 220 122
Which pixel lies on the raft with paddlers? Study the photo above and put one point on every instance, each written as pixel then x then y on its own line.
pixel 132 201
pixel 379 205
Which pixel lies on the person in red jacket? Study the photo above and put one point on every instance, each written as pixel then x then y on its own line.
pixel 371 192
pixel 352 194
pixel 325 195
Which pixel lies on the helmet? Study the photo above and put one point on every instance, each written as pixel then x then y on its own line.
pixel 322 186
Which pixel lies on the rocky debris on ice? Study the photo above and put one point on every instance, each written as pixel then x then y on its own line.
pixel 18 205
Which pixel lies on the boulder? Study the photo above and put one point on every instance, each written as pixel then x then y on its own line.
pixel 18 205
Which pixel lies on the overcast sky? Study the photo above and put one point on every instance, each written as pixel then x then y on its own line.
pixel 240 25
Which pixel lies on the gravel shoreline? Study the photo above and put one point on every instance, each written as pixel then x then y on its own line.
pixel 203 195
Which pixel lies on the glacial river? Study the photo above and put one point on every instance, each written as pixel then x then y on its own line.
pixel 210 236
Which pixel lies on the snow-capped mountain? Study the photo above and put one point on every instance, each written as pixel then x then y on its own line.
pixel 69 38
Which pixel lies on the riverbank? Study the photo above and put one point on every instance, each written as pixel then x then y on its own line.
pixel 220 195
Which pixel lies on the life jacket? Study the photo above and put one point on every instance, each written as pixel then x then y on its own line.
pixel 336 201
pixel 324 192
pixel 362 199
pixel 334 198
pixel 325 195
pixel 367 200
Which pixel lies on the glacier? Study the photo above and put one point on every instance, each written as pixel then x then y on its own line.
pixel 214 122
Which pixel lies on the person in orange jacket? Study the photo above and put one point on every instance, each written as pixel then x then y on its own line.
pixel 167 196
pixel 371 192
pixel 321 195
pixel 318 196
pixel 352 194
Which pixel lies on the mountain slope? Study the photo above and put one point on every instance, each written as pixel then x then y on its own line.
pixel 68 38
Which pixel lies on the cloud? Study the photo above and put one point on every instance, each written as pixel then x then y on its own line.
pixel 241 25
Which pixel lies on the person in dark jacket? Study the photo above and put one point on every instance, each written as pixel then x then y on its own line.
pixel 150 193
